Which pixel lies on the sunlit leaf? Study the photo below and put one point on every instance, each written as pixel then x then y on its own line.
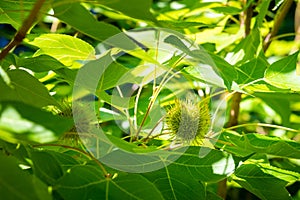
pixel 227 10
pixel 20 122
pixel 283 74
pixel 262 12
pixel 211 63
pixel 66 49
pixel 246 49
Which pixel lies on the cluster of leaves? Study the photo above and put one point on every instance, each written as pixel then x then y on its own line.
pixel 43 159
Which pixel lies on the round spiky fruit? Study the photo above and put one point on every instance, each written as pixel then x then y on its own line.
pixel 189 121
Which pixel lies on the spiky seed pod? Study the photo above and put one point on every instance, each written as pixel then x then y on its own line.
pixel 188 121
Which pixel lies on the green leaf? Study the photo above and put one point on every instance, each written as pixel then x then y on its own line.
pixel 280 103
pixel 250 176
pixel 143 74
pixel 210 62
pixel 262 86
pixel 227 71
pixel 179 25
pixel 262 10
pixel 20 122
pixel 18 184
pixel 252 70
pixel 26 89
pixel 244 145
pixel 228 10
pixel 68 74
pixel 282 73
pixel 246 49
pixel 117 101
pixel 108 115
pixel 194 166
pixel 82 20
pixel 182 178
pixel 78 17
pixel 212 196
pixel 206 74
pixel 19 151
pixel 89 182
pixel 282 174
pixel 64 48
pixel 286 164
pixel 15 12
pixel 212 167
pixel 46 166
pixel 132 8
pixel 5 77
pixel 104 72
pixel 178 43
pixel 175 184
pixel 42 63
pixel 10 59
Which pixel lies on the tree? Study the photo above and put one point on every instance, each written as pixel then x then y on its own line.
pixel 149 99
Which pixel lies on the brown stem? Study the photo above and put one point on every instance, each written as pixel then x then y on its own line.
pixel 249 14
pixel 20 35
pixel 233 121
pixel 234 110
pixel 297 22
pixel 236 98
pixel 280 15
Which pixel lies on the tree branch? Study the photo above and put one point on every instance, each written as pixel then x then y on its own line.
pixel 20 35
pixel 280 15
pixel 236 97
pixel 297 22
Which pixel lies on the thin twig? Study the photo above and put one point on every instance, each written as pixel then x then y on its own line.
pixel 156 93
pixel 155 126
pixel 20 35
pixel 263 125
pixel 125 110
pixel 280 15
